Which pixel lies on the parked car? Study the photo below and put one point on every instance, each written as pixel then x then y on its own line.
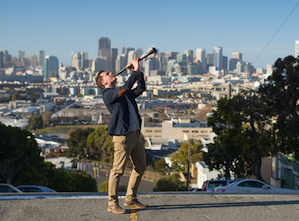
pixel 208 185
pixel 35 188
pixel 252 185
pixel 8 188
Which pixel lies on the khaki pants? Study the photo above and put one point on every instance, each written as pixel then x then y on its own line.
pixel 125 147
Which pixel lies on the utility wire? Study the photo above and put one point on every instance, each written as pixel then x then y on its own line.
pixel 276 33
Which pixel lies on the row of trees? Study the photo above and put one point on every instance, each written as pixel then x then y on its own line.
pixel 21 163
pixel 257 124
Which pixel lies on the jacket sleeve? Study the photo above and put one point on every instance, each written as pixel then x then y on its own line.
pixel 111 95
pixel 140 86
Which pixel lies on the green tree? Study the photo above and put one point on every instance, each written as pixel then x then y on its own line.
pixel 161 166
pixel 170 183
pixel 18 151
pixel 180 158
pixel 100 145
pixel 35 122
pixel 77 143
pixel 280 96
pixel 46 117
pixel 17 96
pixel 242 139
pixel 34 97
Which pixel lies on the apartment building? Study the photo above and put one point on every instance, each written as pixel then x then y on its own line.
pixel 176 128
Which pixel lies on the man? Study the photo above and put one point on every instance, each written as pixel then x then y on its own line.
pixel 124 126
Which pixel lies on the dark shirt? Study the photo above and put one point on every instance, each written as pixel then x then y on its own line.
pixel 117 104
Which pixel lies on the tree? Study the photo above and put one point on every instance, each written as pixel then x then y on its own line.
pixel 18 151
pixel 46 117
pixel 170 183
pixel 180 158
pixel 17 96
pixel 35 122
pixel 77 143
pixel 161 166
pixel 242 138
pixel 280 96
pixel 100 145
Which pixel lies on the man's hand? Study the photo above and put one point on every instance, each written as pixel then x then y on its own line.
pixel 135 65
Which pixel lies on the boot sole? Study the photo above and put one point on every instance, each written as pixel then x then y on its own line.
pixel 110 210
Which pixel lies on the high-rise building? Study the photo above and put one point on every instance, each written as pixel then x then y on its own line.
pixel 201 56
pixel 79 60
pixel 33 61
pixel 224 62
pixel 217 57
pixel 1 59
pixel 171 54
pixel 237 55
pixel 76 60
pixel 120 62
pixel 104 53
pixel 50 67
pixel 41 58
pixel 296 49
pixel 131 55
pixel 25 61
pixel 189 55
pixel 6 56
pixel 21 54
pixel 104 44
pixel 209 59
pixel 123 49
pixel 113 57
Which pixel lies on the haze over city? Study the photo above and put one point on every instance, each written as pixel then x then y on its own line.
pixel 62 27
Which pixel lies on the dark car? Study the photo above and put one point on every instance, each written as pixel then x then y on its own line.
pixel 35 188
pixel 8 188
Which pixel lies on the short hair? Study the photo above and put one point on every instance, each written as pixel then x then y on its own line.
pixel 99 80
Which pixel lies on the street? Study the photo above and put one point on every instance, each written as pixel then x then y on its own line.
pixel 162 206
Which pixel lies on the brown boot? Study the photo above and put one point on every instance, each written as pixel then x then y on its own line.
pixel 116 209
pixel 136 204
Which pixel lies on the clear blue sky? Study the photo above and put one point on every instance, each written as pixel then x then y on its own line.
pixel 60 27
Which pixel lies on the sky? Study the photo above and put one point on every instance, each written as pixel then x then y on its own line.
pixel 262 30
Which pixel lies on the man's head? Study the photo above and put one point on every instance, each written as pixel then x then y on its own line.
pixel 105 79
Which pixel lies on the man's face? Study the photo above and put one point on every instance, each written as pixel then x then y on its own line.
pixel 108 79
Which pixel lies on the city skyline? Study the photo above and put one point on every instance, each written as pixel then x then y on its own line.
pixel 245 28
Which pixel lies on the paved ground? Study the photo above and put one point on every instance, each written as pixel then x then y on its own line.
pixel 163 206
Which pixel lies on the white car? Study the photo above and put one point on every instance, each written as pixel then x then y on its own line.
pixel 252 186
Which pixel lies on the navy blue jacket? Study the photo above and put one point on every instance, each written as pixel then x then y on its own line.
pixel 117 104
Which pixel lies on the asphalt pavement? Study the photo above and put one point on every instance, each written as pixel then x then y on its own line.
pixel 163 206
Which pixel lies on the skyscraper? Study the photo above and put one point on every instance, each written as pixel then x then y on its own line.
pixel 113 57
pixel 123 49
pixel 41 58
pixel 21 54
pixel 201 56
pixel 104 44
pixel 33 61
pixel 296 49
pixel 104 53
pixel 50 67
pixel 76 60
pixel 1 60
pixel 217 57
pixel 237 55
